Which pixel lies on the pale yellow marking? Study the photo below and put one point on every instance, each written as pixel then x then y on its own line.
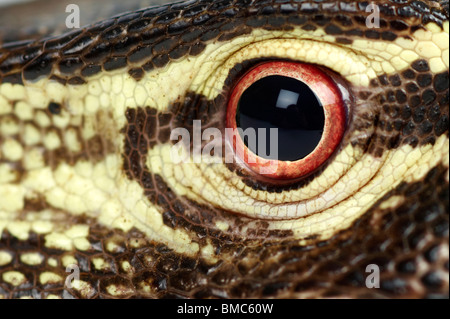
pixel 9 126
pixel 11 150
pixel 81 244
pixel 117 291
pixel 436 65
pixel 112 247
pixel 12 91
pixel 137 243
pixel 409 56
pixel 39 179
pixel 428 49
pixel 92 104
pixel 32 259
pixel 14 278
pixel 83 287
pixel 68 260
pixel 144 287
pixel 32 135
pixel 23 110
pixel 7 174
pixel 42 227
pixel 48 277
pixel 52 141
pixel 71 140
pixel 50 296
pixel 392 202
pixel 208 253
pixel 100 263
pixel 5 258
pixel 126 266
pixel 34 159
pixel 5 106
pixel 52 262
pixel 42 119
pixel 223 226
pixel 19 229
pixel 58 241
pixel 78 231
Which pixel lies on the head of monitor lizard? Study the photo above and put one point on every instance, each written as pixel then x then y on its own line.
pixel 87 185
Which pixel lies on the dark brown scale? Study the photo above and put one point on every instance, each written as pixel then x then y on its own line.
pixel 395 80
pixel 414 100
pixel 333 29
pixel 408 74
pixel 102 26
pixel 153 35
pixel 164 46
pixel 14 60
pixel 388 36
pixel 428 96
pixel 13 78
pixel 411 87
pixel 54 108
pixel 139 25
pixel 424 80
pixel 40 66
pixel 406 112
pixel 70 65
pixel 112 33
pixel 90 69
pixel 98 52
pixel 194 10
pixel 77 46
pixel 124 45
pixel 440 82
pixel 400 96
pixel 97 148
pixel 126 19
pixel 417 106
pixel 140 53
pixel 160 61
pixel 114 63
pixel 148 66
pixel 137 73
pixel 76 80
pixel 343 40
pixel 420 66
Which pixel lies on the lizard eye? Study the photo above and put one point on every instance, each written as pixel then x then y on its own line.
pixel 289 117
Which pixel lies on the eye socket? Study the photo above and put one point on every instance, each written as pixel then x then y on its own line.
pixel 290 118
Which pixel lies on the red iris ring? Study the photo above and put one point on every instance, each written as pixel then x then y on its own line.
pixel 334 109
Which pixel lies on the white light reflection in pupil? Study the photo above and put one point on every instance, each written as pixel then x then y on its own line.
pixel 287 98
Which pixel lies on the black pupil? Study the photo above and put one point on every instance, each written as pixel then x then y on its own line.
pixel 286 104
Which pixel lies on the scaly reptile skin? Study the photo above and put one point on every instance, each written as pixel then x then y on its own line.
pixel 86 178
